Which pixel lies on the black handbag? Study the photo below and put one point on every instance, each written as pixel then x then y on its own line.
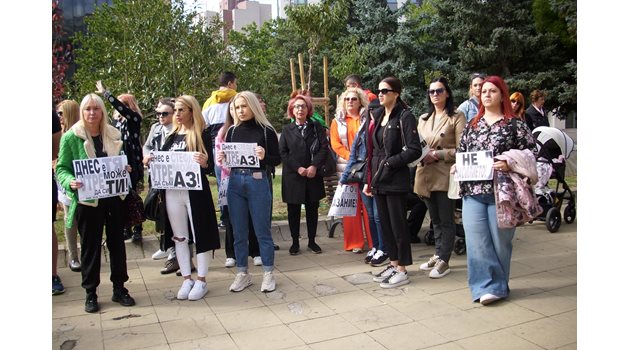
pixel 155 208
pixel 329 168
pixel 134 210
pixel 356 172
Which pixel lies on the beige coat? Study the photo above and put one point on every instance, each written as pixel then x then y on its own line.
pixel 444 138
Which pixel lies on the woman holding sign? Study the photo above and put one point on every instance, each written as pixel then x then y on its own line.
pixel 93 137
pixel 303 147
pixel 488 247
pixel 248 191
pixel 388 176
pixel 441 128
pixel 188 210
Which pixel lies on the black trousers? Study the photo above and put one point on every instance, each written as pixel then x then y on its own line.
pixel 418 210
pixel 294 213
pixel 90 223
pixel 442 211
pixel 254 249
pixel 392 210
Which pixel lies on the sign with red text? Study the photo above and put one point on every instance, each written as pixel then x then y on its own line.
pixel 240 155
pixel 175 171
pixel 101 177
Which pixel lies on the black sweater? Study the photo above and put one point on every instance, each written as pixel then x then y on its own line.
pixel 251 132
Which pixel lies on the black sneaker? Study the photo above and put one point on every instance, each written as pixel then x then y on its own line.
pixel 379 258
pixel 127 234
pixel 57 286
pixel 121 296
pixel 295 249
pixel 276 247
pixel 170 266
pixel 91 303
pixel 314 248
pixel 136 237
pixel 192 270
pixel 414 239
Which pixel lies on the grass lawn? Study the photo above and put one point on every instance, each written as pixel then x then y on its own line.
pixel 279 209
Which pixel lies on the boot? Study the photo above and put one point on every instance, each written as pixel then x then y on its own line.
pixel 295 247
pixel 314 247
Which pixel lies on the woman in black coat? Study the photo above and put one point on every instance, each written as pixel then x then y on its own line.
pixel 388 176
pixel 303 149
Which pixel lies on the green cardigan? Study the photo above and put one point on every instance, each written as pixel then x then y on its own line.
pixel 75 144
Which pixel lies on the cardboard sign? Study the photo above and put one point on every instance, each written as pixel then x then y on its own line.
pixel 175 171
pixel 240 155
pixel 344 202
pixel 474 166
pixel 223 187
pixel 102 177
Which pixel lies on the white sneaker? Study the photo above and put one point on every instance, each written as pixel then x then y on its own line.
pixel 242 281
pixel 257 261
pixel 383 275
pixel 268 283
pixel 230 262
pixel 396 279
pixel 159 254
pixel 488 299
pixel 440 269
pixel 185 289
pixel 198 291
pixel 428 266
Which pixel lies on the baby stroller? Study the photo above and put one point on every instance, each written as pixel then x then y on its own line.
pixel 554 147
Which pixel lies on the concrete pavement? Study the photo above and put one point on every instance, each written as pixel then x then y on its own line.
pixel 328 301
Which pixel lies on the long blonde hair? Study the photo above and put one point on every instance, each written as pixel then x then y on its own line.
pixel 194 141
pixel 252 102
pixel 70 114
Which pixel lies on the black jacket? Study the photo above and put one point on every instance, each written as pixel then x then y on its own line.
pixel 204 222
pixel 534 119
pixel 297 151
pixel 389 173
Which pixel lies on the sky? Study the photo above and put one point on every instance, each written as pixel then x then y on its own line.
pixel 213 5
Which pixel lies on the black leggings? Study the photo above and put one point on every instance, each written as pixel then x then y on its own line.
pixel 392 211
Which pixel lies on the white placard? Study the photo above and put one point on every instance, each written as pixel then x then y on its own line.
pixel 175 171
pixel 101 177
pixel 240 155
pixel 223 187
pixel 474 166
pixel 344 202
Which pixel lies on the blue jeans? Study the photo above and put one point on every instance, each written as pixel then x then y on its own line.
pixel 488 248
pixel 247 195
pixel 375 222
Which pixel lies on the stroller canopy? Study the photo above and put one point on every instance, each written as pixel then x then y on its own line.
pixel 552 142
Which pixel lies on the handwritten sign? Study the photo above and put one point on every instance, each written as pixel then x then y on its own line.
pixel 223 187
pixel 102 177
pixel 474 166
pixel 175 171
pixel 240 155
pixel 344 202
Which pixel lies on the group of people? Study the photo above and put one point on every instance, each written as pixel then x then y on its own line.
pixel 377 128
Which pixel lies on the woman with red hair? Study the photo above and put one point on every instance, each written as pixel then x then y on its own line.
pixel 518 104
pixel 489 247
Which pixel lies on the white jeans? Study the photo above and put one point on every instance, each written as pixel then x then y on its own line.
pixel 179 215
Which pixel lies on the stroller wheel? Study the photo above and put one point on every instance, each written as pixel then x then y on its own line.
pixel 460 246
pixel 331 232
pixel 569 214
pixel 553 220
pixel 429 239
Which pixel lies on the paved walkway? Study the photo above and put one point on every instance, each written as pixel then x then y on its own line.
pixel 328 301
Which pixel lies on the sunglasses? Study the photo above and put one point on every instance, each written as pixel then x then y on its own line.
pixel 60 113
pixel 384 91
pixel 351 98
pixel 162 114
pixel 514 101
pixel 436 91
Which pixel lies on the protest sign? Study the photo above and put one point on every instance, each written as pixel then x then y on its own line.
pixel 344 202
pixel 175 171
pixel 240 155
pixel 474 166
pixel 101 177
pixel 225 181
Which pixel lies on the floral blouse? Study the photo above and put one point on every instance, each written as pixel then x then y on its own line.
pixel 498 137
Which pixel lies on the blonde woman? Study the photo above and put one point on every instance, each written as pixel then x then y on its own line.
pixel 249 192
pixel 351 114
pixel 93 137
pixel 188 208
pixel 68 111
pixel 470 107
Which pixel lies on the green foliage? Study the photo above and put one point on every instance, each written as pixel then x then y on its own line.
pixel 151 49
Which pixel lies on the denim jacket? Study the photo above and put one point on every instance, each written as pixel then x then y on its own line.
pixel 357 153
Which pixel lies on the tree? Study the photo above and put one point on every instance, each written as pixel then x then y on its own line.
pixel 61 53
pixel 150 48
